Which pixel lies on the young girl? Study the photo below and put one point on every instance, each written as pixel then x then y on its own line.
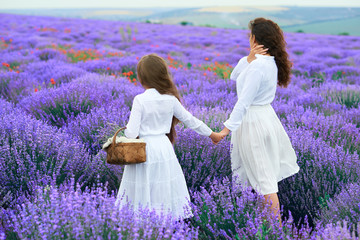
pixel 262 154
pixel 158 183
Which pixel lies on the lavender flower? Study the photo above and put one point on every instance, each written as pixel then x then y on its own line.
pixel 343 207
pixel 68 212
pixel 57 103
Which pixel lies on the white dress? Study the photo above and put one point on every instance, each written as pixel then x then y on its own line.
pixel 262 154
pixel 159 183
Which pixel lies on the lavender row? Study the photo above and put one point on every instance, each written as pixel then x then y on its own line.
pixel 75 80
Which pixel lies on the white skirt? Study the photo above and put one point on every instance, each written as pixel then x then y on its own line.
pixel 159 183
pixel 262 154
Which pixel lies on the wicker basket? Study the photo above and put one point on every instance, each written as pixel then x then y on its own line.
pixel 124 153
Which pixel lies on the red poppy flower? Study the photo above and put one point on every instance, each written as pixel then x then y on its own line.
pixel 6 64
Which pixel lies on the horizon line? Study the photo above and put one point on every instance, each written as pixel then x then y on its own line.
pixel 179 7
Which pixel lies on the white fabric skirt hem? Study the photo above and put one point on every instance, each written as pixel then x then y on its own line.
pixel 262 154
pixel 159 183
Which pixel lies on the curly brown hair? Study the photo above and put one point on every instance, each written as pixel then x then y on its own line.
pixel 153 72
pixel 269 34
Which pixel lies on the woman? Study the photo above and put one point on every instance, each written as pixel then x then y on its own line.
pixel 262 154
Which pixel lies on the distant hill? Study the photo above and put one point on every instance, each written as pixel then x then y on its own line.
pixel 323 20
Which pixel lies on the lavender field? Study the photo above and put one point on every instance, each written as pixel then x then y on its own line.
pixel 68 84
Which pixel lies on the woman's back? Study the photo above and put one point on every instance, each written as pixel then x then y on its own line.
pixel 264 67
pixel 267 66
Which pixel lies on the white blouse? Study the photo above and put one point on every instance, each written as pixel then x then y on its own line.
pixel 255 85
pixel 152 114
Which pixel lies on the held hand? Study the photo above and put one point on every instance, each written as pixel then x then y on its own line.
pixel 216 137
pixel 256 49
pixel 225 131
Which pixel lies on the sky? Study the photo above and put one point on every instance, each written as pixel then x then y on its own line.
pixel 36 4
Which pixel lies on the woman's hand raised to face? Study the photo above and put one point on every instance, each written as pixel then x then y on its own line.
pixel 256 49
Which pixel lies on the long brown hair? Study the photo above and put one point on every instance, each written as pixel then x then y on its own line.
pixel 269 34
pixel 153 72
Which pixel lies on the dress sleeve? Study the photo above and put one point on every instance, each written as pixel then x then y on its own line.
pixel 133 126
pixel 190 121
pixel 248 93
pixel 242 64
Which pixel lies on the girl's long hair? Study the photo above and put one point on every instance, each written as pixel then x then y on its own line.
pixel 269 34
pixel 153 72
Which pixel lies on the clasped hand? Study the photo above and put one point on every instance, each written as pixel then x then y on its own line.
pixel 217 137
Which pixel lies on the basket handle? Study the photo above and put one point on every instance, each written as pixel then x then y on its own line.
pixel 114 138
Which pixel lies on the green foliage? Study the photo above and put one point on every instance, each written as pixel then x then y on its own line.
pixel 14 64
pixel 323 201
pixel 208 25
pixel 317 78
pixel 126 34
pixel 296 72
pixel 343 207
pixel 60 110
pixel 129 32
pixel 4 88
pixel 348 97
pixel 228 212
pixel 222 70
pixel 186 23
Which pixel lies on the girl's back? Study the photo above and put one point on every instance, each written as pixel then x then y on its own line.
pixel 152 114
pixel 156 112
